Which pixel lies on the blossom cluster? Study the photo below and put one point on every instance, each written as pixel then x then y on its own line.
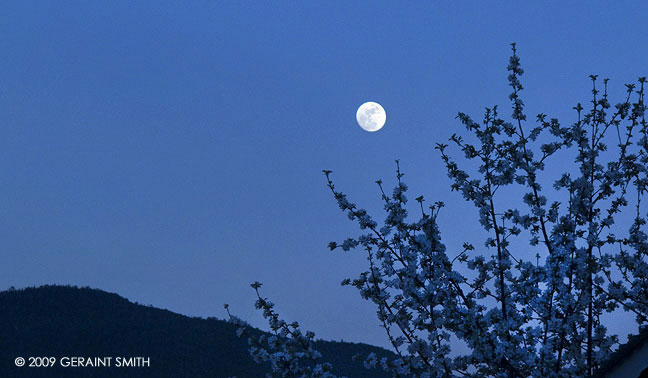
pixel 289 352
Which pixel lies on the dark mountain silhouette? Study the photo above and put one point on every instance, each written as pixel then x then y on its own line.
pixel 67 321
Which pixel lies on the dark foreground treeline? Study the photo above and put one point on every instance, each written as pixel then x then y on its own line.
pixel 60 321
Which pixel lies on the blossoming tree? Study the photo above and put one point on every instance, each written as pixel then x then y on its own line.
pixel 517 316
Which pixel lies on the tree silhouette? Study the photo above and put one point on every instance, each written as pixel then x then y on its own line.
pixel 530 300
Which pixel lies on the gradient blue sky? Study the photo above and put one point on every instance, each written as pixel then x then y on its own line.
pixel 172 153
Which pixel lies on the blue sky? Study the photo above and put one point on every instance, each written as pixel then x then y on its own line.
pixel 172 153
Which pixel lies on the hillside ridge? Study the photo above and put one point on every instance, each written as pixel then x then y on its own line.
pixel 68 321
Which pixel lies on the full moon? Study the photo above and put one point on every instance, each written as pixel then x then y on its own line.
pixel 371 116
